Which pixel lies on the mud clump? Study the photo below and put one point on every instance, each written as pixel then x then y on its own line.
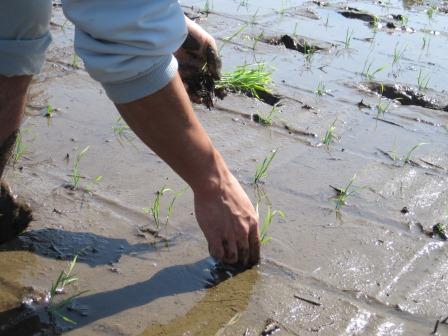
pixel 354 13
pixel 23 321
pixel 407 95
pixel 15 214
pixel 299 44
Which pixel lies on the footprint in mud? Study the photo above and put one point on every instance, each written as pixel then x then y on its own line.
pixel 15 214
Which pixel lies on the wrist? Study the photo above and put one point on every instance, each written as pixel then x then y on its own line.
pixel 214 178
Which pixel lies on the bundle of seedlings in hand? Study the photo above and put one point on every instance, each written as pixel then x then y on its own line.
pixel 64 279
pixel 264 238
pixel 251 79
pixel 261 171
pixel 345 193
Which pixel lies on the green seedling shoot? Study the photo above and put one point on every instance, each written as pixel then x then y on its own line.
pixel 251 79
pixel 154 210
pixel 431 11
pixel 321 89
pixel 329 136
pixel 348 38
pixel 64 279
pixel 76 177
pixel 264 238
pixel 268 118
pixel 398 54
pixel 231 37
pixel 370 73
pixel 407 158
pixel 422 80
pixel 261 171
pixel 20 148
pixel 343 194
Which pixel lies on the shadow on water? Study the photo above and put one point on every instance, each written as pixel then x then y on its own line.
pixel 91 249
pixel 90 308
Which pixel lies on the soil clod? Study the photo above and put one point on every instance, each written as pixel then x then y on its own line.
pixel 407 95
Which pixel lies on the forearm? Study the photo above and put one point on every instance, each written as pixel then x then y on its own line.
pixel 165 122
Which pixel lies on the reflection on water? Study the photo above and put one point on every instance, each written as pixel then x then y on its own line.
pixel 221 304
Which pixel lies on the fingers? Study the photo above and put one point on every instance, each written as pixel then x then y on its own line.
pixel 213 62
pixel 254 245
pixel 243 251
pixel 230 251
pixel 216 249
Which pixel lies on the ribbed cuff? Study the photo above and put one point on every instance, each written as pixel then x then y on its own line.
pixel 150 82
pixel 23 57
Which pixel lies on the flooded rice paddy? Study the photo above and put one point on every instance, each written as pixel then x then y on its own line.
pixel 375 70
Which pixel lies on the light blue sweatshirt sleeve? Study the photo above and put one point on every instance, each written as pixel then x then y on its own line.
pixel 128 45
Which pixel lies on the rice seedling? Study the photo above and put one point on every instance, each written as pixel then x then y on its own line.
pixel 231 37
pixel 257 39
pixel 310 51
pixel 343 194
pixel 329 136
pixel 369 72
pixel 382 107
pixel 120 127
pixel 283 7
pixel 261 171
pixel 247 78
pixel 431 11
pixel 75 175
pixel 375 23
pixel 49 112
pixel 207 7
pixel 93 183
pixel 422 80
pixel 268 118
pixel 407 158
pixel 321 89
pixel 253 18
pixel 348 38
pixel 64 279
pixel 75 61
pixel 270 215
pixel 327 20
pixel 20 148
pixel 398 54
pixel 294 32
pixel 404 19
pixel 154 210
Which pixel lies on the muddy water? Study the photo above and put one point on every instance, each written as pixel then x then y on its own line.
pixel 372 269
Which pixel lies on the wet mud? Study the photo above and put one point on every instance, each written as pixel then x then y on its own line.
pixel 375 267
pixel 408 95
pixel 15 214
pixel 300 44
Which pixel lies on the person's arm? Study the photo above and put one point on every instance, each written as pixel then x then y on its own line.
pixel 166 123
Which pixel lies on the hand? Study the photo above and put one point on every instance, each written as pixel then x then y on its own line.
pixel 197 55
pixel 229 222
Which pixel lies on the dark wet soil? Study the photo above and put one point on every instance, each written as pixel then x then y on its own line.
pixel 15 214
pixel 407 95
pixel 354 13
pixel 300 44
